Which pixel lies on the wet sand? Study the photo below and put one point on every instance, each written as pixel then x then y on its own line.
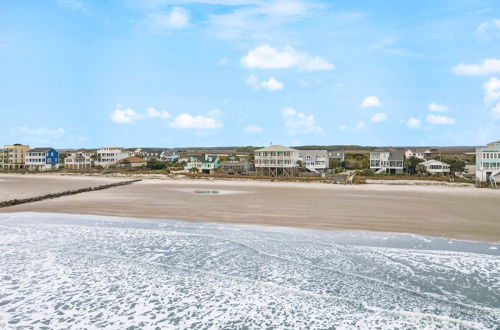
pixel 455 212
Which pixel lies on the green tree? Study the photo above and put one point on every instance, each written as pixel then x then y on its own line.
pixel 456 165
pixel 194 170
pixel 334 163
pixel 411 164
pixel 155 164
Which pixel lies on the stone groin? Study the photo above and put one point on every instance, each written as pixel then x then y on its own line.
pixel 13 202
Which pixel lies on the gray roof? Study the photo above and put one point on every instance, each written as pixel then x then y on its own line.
pixel 323 153
pixel 41 149
pixel 276 147
pixel 396 155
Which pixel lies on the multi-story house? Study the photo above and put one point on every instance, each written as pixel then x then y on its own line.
pixel 205 163
pixel 14 156
pixel 170 157
pixel 336 155
pixel 276 160
pixel 423 153
pixel 488 163
pixel 42 159
pixel 315 161
pixel 387 160
pixel 80 159
pixel 107 156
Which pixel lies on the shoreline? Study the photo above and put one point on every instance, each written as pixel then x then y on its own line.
pixel 269 227
pixel 437 211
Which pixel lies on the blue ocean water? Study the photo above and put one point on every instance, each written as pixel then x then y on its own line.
pixel 81 271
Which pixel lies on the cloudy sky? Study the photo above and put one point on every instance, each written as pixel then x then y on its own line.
pixel 248 72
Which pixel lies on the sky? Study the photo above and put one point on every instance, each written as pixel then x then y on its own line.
pixel 180 73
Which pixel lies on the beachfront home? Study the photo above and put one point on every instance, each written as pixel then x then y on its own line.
pixel 488 163
pixel 14 156
pixel 42 159
pixel 108 156
pixel 276 160
pixel 236 166
pixel 170 157
pixel 131 163
pixel 80 159
pixel 387 160
pixel 423 153
pixel 203 163
pixel 336 155
pixel 315 161
pixel 434 167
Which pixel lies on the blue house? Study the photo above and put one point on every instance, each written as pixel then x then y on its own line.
pixel 42 159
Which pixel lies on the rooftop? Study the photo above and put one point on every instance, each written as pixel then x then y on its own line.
pixel 276 147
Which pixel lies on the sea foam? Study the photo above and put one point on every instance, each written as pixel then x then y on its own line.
pixel 77 271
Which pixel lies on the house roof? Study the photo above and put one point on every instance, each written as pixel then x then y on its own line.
pixel 41 149
pixel 276 147
pixel 434 161
pixel 313 152
pixel 132 159
pixel 396 155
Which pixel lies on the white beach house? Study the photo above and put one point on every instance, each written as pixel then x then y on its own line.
pixel 423 153
pixel 435 167
pixel 315 161
pixel 107 156
pixel 276 160
pixel 488 163
pixel 80 159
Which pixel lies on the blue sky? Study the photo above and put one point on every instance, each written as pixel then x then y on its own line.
pixel 173 73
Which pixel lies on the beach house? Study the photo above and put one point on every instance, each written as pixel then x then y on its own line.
pixel 315 161
pixel 434 167
pixel 423 153
pixel 14 156
pixel 276 160
pixel 203 163
pixel 336 155
pixel 42 159
pixel 131 163
pixel 236 166
pixel 107 156
pixel 387 160
pixel 488 163
pixel 80 159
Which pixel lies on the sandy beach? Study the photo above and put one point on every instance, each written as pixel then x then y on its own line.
pixel 455 212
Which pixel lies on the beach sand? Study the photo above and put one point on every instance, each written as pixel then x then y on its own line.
pixel 455 212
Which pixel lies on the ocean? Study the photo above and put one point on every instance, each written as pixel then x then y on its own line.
pixel 80 271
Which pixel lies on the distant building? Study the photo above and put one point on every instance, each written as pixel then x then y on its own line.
pixel 42 159
pixel 418 152
pixel 434 167
pixel 204 163
pixel 14 156
pixel 387 160
pixel 488 163
pixel 276 160
pixel 315 161
pixel 80 159
pixel 170 157
pixel 336 155
pixel 108 156
pixel 236 166
pixel 131 163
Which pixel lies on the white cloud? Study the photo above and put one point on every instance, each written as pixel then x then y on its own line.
pixel 486 67
pixel 371 101
pixel 177 18
pixel 491 90
pixel 272 84
pixel 378 117
pixel 440 120
pixel 413 123
pixel 125 116
pixel 485 27
pixel 266 57
pixel 298 123
pixel 360 126
pixel 49 133
pixel 253 129
pixel 436 107
pixel 153 113
pixel 186 121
